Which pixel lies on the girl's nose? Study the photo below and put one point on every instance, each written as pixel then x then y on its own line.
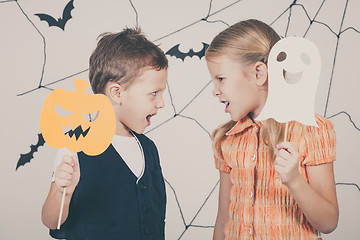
pixel 216 92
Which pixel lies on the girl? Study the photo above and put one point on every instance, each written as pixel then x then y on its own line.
pixel 269 189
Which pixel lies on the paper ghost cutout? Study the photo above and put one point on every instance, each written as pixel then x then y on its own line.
pixel 63 120
pixel 294 69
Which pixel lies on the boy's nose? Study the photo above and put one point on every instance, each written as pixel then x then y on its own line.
pixel 160 103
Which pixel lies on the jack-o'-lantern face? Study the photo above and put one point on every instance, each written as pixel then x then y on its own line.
pixel 72 129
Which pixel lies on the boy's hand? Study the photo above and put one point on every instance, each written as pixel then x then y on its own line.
pixel 67 174
pixel 287 162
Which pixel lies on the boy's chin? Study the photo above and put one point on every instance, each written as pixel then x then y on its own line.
pixel 139 130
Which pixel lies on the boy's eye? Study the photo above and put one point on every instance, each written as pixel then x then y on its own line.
pixel 220 79
pixel 154 93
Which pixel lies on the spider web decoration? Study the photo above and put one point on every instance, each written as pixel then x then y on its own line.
pixel 50 58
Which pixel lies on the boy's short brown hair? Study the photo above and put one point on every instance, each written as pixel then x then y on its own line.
pixel 121 57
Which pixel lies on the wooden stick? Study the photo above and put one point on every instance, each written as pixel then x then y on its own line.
pixel 61 208
pixel 286 130
pixel 285 136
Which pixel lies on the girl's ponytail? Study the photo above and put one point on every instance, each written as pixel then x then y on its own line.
pixel 218 135
pixel 273 133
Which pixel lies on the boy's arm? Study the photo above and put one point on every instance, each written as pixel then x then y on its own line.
pixel 67 175
pixel 224 205
pixel 51 208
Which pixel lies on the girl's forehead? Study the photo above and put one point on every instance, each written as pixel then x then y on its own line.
pixel 225 59
pixel 224 62
pixel 218 59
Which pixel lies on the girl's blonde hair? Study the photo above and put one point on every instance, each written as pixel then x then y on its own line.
pixel 248 41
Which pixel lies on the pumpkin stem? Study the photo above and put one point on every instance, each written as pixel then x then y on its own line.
pixel 80 85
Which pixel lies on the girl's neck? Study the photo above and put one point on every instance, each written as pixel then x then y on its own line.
pixel 262 100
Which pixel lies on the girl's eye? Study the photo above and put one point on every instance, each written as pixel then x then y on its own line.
pixel 154 93
pixel 220 79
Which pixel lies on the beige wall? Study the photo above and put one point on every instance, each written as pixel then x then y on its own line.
pixel 183 141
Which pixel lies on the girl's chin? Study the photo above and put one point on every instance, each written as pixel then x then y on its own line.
pixel 238 117
pixel 235 119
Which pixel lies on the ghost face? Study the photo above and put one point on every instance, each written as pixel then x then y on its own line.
pixel 292 74
pixel 235 85
pixel 294 71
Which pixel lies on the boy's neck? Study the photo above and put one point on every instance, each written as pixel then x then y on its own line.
pixel 122 130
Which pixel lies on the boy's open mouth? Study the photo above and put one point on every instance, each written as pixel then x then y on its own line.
pixel 148 118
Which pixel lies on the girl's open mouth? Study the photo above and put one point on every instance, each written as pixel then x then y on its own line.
pixel 226 106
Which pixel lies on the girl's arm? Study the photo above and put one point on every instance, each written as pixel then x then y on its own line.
pixel 224 205
pixel 317 199
pixel 67 175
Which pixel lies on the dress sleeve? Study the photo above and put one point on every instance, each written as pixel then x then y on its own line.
pixel 320 143
pixel 221 163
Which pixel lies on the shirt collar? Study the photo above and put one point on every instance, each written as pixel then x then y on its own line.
pixel 241 125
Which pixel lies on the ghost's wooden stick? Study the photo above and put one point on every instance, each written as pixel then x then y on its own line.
pixel 286 130
pixel 61 208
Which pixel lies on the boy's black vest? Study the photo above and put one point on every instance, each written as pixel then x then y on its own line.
pixel 108 204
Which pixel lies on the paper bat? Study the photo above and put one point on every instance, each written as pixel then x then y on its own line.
pixel 61 21
pixel 174 51
pixel 25 158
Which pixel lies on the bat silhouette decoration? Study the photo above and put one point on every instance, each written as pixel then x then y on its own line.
pixel 25 158
pixel 174 51
pixel 61 21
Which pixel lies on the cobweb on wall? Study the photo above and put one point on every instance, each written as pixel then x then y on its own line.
pixel 290 12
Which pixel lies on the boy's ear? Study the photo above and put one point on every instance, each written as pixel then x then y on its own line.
pixel 115 92
pixel 261 73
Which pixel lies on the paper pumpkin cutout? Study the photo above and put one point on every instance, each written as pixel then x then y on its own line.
pixel 293 75
pixel 71 129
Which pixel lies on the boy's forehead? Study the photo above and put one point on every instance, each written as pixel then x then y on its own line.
pixel 151 76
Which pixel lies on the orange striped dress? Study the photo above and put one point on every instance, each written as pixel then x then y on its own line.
pixel 261 206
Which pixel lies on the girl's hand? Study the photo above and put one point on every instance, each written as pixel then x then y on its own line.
pixel 287 162
pixel 67 174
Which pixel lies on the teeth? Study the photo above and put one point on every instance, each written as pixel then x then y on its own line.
pixel 68 128
pixel 78 132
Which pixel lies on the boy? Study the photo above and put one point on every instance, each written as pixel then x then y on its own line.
pixel 121 192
